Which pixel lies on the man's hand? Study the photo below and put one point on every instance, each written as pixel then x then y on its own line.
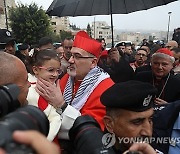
pixel 142 148
pixel 51 92
pixel 37 141
pixel 114 56
pixel 159 101
pixel 2 151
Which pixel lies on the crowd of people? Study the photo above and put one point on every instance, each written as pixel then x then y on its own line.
pixel 127 91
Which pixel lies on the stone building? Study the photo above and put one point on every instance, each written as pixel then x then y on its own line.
pixel 5 4
pixel 59 24
pixel 100 29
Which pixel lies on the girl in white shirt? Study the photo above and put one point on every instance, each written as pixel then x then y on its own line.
pixel 45 64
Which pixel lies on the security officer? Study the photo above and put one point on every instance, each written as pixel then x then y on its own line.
pixel 129 111
pixel 7 42
pixel 121 46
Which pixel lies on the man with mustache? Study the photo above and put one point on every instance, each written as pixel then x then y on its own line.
pixel 140 57
pixel 7 42
pixel 129 112
pixel 81 87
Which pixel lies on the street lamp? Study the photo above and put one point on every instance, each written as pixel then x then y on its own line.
pixel 169 13
pixel 5 11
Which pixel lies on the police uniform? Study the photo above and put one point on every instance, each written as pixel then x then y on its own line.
pixel 131 95
pixel 5 37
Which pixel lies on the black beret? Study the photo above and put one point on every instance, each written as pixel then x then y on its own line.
pixel 2 46
pixel 120 44
pixel 145 44
pixel 128 44
pixel 131 95
pixel 5 36
pixel 23 46
pixel 44 40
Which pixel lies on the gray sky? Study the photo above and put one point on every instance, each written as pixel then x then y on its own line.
pixel 152 19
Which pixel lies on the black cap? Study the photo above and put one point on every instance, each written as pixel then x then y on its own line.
pixel 5 36
pixel 23 46
pixel 128 44
pixel 131 95
pixel 45 40
pixel 2 47
pixel 145 44
pixel 120 44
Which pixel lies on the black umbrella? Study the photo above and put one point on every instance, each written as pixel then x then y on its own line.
pixel 73 8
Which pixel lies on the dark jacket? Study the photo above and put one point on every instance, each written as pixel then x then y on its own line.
pixel 171 91
pixel 24 59
pixel 176 37
pixel 163 123
pixel 144 68
pixel 120 72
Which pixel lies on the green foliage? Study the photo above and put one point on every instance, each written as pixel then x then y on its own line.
pixel 89 30
pixel 29 23
pixel 65 34
pixel 55 37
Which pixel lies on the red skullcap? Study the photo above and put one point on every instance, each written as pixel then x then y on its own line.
pixel 165 51
pixel 83 41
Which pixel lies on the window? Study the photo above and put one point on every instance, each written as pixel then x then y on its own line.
pixel 53 23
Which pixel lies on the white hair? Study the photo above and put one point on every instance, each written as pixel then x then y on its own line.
pixel 162 55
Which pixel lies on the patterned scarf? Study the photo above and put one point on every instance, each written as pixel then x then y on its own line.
pixel 89 83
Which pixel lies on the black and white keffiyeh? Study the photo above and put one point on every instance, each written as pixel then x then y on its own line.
pixel 89 83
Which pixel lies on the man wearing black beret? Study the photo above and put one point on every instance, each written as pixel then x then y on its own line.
pixel 45 43
pixel 121 46
pixel 7 42
pixel 129 111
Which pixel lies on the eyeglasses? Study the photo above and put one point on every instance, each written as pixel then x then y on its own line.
pixel 51 70
pixel 79 56
pixel 140 54
pixel 68 47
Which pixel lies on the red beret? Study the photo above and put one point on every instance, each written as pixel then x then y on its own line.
pixel 165 51
pixel 85 42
